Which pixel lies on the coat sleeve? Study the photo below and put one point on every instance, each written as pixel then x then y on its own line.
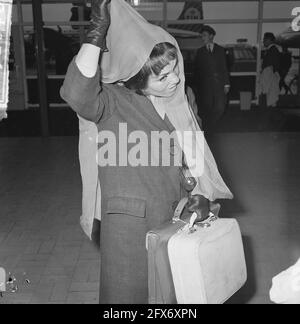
pixel 85 95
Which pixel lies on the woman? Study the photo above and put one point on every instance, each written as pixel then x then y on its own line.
pixel 134 198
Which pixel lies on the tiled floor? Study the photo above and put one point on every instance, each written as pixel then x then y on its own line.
pixel 39 230
pixel 40 199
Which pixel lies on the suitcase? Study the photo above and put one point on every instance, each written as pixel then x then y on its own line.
pixel 160 283
pixel 207 264
pixel 197 264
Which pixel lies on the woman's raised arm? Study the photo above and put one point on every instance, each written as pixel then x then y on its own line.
pixel 81 88
pixel 95 40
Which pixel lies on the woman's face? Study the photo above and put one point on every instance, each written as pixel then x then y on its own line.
pixel 164 84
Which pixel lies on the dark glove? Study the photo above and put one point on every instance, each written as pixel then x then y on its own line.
pixel 99 24
pixel 200 205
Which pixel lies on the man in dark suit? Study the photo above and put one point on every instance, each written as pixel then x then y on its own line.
pixel 211 80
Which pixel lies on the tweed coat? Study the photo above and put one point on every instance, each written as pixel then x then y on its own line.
pixel 134 199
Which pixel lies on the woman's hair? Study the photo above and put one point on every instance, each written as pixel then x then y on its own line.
pixel 159 58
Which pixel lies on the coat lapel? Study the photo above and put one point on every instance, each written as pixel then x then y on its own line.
pixel 165 123
pixel 152 115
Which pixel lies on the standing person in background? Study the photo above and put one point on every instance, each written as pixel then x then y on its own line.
pixel 211 80
pixel 271 56
pixel 270 78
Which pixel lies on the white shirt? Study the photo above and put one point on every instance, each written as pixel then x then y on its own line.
pixel 159 110
pixel 210 47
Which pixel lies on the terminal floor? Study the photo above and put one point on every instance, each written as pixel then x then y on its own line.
pixel 44 248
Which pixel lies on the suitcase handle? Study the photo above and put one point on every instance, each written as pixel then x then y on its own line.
pixel 214 210
pixel 179 209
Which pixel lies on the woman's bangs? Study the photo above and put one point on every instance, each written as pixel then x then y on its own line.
pixel 157 64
